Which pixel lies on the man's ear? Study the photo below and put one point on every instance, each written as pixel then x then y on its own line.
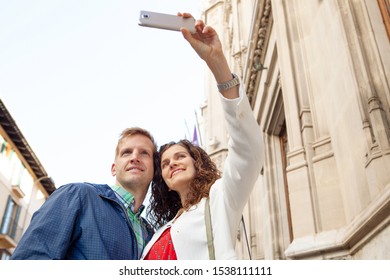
pixel 113 169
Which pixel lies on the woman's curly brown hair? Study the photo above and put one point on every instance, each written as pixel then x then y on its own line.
pixel 165 204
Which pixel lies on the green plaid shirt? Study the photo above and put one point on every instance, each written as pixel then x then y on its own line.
pixel 139 227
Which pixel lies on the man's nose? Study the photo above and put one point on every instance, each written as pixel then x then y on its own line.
pixel 135 156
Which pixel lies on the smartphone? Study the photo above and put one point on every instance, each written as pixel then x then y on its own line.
pixel 166 21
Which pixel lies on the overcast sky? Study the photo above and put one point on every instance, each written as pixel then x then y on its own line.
pixel 74 74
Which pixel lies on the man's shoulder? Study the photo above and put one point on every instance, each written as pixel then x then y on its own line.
pixel 84 187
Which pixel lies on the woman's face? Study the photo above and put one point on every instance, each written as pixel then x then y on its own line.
pixel 178 169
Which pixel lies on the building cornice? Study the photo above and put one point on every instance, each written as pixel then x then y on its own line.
pixel 259 39
pixel 20 143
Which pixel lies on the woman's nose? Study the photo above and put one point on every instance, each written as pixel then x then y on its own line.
pixel 172 163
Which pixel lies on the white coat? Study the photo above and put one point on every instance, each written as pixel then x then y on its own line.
pixel 228 195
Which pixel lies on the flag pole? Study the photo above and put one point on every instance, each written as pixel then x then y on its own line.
pixel 197 126
pixel 189 134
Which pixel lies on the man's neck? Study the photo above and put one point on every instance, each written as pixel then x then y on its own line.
pixel 139 195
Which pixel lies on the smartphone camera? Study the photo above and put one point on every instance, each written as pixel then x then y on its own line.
pixel 145 16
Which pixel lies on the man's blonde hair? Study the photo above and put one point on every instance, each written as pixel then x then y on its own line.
pixel 135 131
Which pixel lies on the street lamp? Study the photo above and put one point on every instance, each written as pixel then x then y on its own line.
pixel 33 194
pixel 40 179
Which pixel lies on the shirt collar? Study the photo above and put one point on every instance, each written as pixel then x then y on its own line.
pixel 127 198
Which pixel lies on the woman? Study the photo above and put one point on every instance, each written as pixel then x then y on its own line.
pixel 188 178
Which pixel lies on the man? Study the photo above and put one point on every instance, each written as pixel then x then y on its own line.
pixel 84 221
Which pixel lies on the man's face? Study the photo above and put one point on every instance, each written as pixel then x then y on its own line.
pixel 133 166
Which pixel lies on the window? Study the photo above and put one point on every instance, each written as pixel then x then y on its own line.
pixel 4 255
pixel 284 150
pixel 384 6
pixel 9 224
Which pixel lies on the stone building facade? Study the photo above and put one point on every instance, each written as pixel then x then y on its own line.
pixel 24 183
pixel 317 74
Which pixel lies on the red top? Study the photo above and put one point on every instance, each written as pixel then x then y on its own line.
pixel 163 248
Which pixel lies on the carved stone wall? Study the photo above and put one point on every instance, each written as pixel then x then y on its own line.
pixel 320 71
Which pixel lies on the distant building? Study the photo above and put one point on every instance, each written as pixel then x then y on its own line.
pixel 317 74
pixel 24 183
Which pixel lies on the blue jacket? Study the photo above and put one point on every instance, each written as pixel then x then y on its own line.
pixel 80 221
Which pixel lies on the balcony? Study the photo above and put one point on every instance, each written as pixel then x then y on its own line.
pixel 17 191
pixel 10 233
pixel 6 242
